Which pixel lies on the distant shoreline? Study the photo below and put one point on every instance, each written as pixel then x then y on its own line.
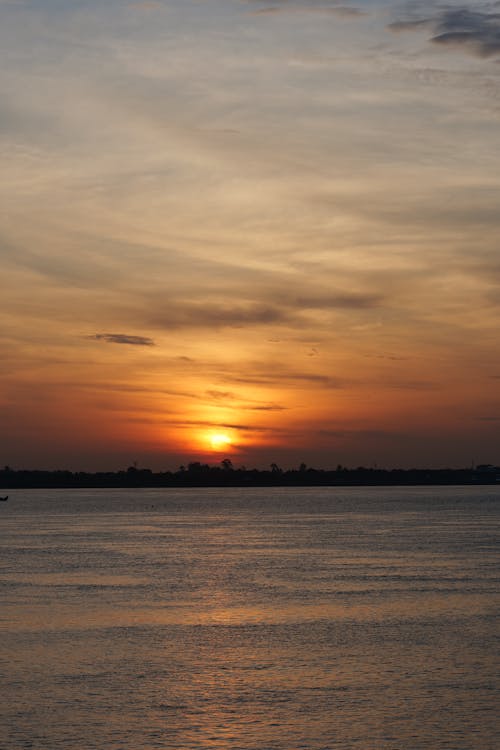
pixel 202 475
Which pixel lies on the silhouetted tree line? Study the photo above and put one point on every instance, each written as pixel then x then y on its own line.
pixel 198 474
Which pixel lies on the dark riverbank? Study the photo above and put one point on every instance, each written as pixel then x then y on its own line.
pixel 202 475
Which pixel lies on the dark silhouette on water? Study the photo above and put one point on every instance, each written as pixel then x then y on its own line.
pixel 197 474
pixel 4 499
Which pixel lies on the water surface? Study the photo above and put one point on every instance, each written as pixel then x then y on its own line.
pixel 255 619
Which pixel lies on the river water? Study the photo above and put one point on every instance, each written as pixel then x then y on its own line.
pixel 250 619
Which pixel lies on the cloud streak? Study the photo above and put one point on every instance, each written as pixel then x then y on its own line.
pixel 266 377
pixel 123 338
pixel 346 12
pixel 224 425
pixel 178 315
pixel 472 31
pixel 276 307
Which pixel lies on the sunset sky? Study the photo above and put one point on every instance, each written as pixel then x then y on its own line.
pixel 267 231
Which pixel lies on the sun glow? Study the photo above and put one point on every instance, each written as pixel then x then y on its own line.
pixel 219 441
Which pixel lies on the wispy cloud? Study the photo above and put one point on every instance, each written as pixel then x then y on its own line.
pixel 220 395
pixel 346 12
pixel 473 31
pixel 178 315
pixel 265 407
pixel 411 25
pixel 378 434
pixel 231 400
pixel 272 305
pixel 222 425
pixel 349 301
pixel 273 376
pixel 123 338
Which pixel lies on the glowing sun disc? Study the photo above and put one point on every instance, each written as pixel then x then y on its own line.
pixel 220 441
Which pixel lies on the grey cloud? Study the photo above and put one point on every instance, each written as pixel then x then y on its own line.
pixel 342 11
pixel 410 385
pixel 275 307
pixel 353 301
pixel 220 395
pixel 225 396
pixel 265 407
pixel 457 206
pixel 410 25
pixel 123 338
pixel 159 392
pixel 81 270
pixel 391 357
pixel 347 11
pixel 245 427
pixel 272 378
pixel 476 32
pixel 269 11
pixel 222 425
pixel 195 315
pixel 378 434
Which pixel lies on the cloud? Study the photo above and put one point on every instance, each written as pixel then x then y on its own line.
pixel 275 306
pixel 210 315
pixel 221 425
pixel 391 357
pixel 349 301
pixel 347 11
pixel 473 31
pixel 341 11
pixel 378 434
pixel 266 377
pixel 422 23
pixel 123 338
pixel 229 396
pixel 265 407
pixel 220 395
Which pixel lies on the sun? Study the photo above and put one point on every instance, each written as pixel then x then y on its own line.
pixel 220 441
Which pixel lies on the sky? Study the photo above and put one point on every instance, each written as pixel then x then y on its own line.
pixel 263 231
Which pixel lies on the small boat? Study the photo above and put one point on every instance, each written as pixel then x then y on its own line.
pixel 3 499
